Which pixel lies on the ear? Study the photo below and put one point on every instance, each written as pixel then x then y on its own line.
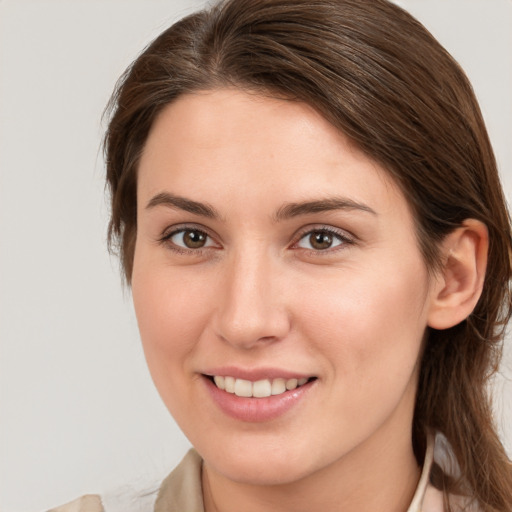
pixel 459 282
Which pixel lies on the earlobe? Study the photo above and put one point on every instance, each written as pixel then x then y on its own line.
pixel 461 278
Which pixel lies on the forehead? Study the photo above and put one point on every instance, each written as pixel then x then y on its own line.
pixel 222 142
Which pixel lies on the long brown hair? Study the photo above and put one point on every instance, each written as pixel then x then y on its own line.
pixel 379 76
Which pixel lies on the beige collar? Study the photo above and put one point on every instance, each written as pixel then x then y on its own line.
pixel 181 490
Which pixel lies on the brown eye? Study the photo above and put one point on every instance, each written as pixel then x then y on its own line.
pixel 194 239
pixel 321 240
pixel 190 239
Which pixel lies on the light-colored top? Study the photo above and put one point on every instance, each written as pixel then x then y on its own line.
pixel 181 492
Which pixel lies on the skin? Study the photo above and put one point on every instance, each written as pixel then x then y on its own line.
pixel 258 294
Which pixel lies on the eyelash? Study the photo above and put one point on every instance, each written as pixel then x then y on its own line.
pixel 165 240
pixel 340 235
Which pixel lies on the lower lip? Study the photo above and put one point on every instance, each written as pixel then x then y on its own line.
pixel 257 410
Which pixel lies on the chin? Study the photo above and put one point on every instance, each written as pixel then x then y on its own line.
pixel 263 461
pixel 259 471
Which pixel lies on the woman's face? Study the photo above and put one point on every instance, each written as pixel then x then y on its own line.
pixel 272 251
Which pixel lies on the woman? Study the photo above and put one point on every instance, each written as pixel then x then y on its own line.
pixel 307 208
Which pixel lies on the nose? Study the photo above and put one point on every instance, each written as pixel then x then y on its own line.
pixel 252 309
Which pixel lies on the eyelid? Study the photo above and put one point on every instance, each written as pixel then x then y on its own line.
pixel 345 236
pixel 170 231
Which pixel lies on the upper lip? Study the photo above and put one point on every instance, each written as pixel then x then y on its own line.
pixel 255 374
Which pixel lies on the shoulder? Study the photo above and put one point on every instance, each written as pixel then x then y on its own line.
pixel 179 491
pixel 88 503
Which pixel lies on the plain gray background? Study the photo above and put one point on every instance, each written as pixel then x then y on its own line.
pixel 78 409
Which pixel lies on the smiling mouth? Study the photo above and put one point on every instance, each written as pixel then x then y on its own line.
pixel 258 389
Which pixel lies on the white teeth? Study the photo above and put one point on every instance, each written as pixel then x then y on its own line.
pixel 278 386
pixel 259 389
pixel 229 384
pixel 291 384
pixel 243 388
pixel 219 381
pixel 262 388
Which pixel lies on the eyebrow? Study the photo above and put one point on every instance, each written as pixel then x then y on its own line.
pixel 182 203
pixel 287 211
pixel 290 210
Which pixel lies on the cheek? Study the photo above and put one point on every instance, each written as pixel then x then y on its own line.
pixel 369 336
pixel 369 325
pixel 171 313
